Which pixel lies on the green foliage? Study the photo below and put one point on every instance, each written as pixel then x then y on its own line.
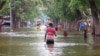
pixel 23 9
pixel 64 9
pixel 98 5
pixel 67 9
pixel 60 9
pixel 17 3
pixel 2 0
pixel 5 8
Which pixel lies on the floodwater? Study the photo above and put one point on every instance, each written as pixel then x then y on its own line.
pixel 31 43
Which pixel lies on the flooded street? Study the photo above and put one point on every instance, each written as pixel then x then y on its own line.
pixel 31 43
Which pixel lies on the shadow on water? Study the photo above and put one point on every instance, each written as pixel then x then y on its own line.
pixel 31 43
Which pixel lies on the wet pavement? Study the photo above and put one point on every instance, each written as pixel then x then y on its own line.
pixel 31 43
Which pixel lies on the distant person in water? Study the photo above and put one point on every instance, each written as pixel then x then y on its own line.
pixel 38 27
pixel 50 34
pixel 65 33
pixel 60 27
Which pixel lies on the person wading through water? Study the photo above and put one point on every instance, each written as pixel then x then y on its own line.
pixel 50 34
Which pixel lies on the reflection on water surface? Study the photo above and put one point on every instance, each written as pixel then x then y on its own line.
pixel 32 44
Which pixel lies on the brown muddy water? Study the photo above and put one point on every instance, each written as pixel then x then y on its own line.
pixel 31 43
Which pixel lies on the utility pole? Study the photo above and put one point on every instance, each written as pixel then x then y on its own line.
pixel 11 24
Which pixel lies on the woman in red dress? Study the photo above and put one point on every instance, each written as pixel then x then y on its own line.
pixel 50 34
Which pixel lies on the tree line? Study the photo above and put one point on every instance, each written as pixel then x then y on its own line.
pixel 56 9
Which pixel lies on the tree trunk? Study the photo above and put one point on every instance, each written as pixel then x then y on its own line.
pixel 78 15
pixel 15 19
pixel 94 15
pixel 2 4
pixel 94 11
pixel 19 23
